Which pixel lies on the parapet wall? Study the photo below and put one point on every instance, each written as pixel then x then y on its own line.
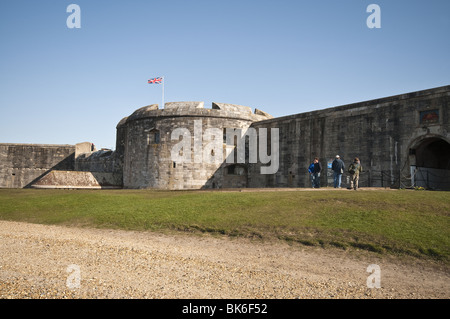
pixel 196 109
pixel 79 179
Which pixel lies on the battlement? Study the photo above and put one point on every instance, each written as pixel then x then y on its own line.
pixel 197 109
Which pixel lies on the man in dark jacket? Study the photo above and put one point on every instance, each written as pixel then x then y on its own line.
pixel 338 168
pixel 316 174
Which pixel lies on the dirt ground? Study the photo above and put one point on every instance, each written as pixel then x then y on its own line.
pixel 40 261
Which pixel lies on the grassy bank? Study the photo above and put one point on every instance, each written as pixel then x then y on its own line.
pixel 395 222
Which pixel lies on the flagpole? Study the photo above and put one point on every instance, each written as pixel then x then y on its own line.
pixel 163 80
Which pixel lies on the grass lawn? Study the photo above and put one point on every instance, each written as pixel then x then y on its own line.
pixel 385 221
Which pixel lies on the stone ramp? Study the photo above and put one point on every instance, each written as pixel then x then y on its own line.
pixel 79 179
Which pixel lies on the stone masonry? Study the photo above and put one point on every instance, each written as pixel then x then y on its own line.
pixel 146 141
pixel 22 164
pixel 395 138
pixel 402 141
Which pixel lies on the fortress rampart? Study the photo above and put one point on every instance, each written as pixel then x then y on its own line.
pixel 402 141
pixel 23 164
pixel 395 138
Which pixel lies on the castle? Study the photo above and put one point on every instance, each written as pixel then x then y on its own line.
pixel 403 141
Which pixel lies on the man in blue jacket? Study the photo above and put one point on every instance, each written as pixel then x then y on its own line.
pixel 311 174
pixel 338 168
pixel 314 170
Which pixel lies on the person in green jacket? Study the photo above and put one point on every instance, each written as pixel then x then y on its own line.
pixel 354 169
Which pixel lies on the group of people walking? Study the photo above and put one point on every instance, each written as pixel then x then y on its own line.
pixel 338 167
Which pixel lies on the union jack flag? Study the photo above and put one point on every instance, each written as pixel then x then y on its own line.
pixel 157 80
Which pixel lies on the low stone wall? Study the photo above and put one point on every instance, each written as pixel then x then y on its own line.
pixel 77 179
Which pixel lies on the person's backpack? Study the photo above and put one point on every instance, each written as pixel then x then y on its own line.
pixel 311 168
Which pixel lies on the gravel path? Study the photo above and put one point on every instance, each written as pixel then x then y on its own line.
pixel 34 260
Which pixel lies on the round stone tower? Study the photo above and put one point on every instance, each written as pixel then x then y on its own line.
pixel 183 146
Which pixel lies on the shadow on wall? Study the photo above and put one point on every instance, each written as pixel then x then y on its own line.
pixel 65 164
pixel 241 159
pixel 84 174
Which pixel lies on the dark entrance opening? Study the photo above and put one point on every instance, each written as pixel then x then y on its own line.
pixel 432 164
pixel 433 153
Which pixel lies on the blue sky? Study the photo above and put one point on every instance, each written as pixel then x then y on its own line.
pixel 64 86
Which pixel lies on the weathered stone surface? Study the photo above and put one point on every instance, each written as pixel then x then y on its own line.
pixel 148 164
pixel 259 112
pixel 382 133
pixel 21 164
pixel 82 148
pixel 232 108
pixel 122 121
pixel 98 161
pixel 402 140
pixel 77 179
pixel 183 105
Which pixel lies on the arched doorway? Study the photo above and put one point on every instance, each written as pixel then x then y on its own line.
pixel 430 163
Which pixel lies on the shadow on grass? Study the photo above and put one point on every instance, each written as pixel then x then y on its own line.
pixel 312 241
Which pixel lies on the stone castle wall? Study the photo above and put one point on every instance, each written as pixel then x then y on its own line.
pixel 402 141
pixel 22 164
pixel 383 133
pixel 146 140
pixel 47 165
